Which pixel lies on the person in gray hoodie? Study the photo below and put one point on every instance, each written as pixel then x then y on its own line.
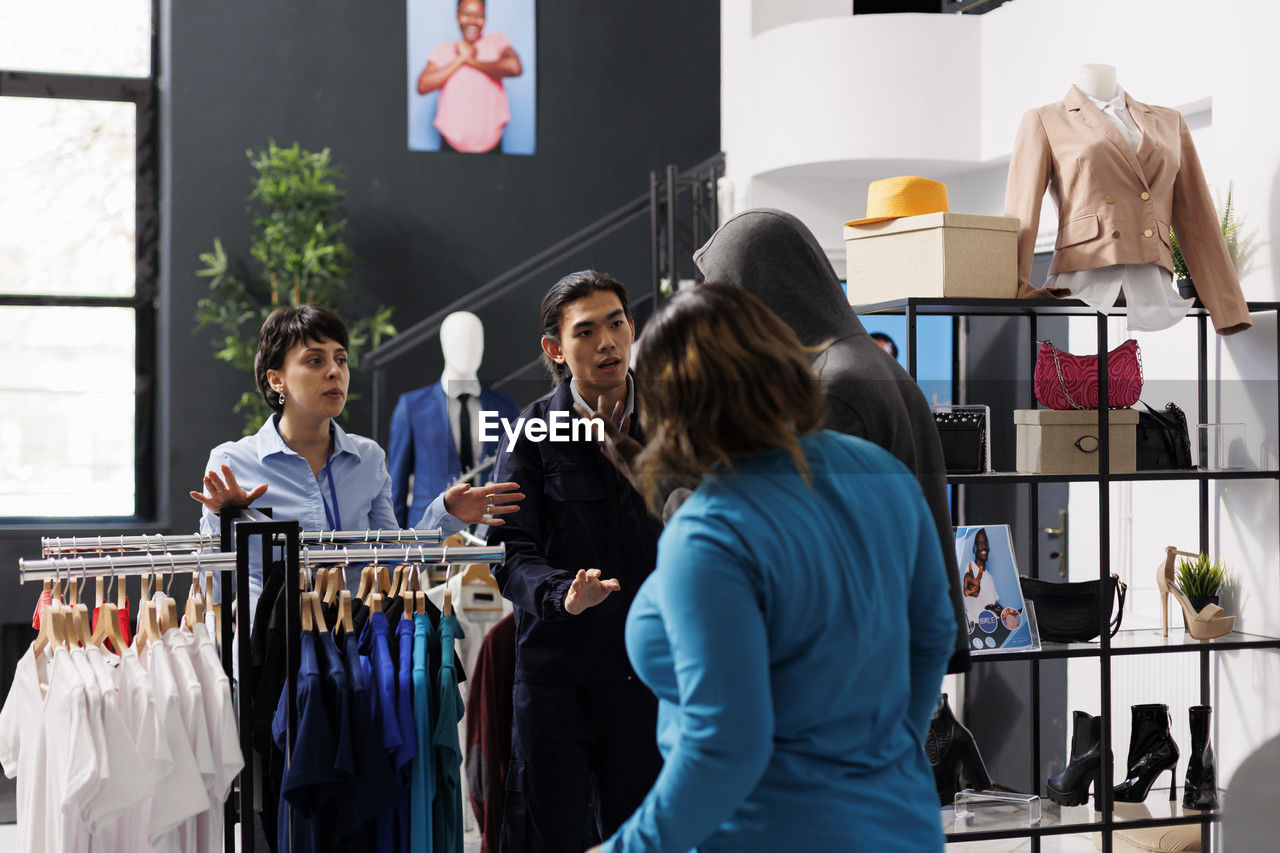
pixel 774 256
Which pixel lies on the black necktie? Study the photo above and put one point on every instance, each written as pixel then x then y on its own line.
pixel 465 454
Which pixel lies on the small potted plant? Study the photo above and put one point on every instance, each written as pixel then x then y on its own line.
pixel 1238 249
pixel 1201 580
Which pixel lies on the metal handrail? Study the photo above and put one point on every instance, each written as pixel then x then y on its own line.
pixel 376 361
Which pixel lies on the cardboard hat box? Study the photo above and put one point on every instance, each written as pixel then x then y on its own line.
pixel 933 255
pixel 1066 442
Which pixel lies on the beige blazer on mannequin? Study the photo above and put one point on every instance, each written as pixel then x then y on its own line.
pixel 1115 206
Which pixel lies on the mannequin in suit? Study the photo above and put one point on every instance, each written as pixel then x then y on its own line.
pixel 1121 173
pixel 429 425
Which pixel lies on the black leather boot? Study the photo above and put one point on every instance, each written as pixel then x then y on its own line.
pixel 1202 778
pixel 1071 786
pixel 1152 751
pixel 953 754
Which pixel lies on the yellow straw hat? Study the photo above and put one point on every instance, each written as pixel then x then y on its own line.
pixel 890 198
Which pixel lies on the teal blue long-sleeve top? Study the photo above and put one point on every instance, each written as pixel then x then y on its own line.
pixel 796 636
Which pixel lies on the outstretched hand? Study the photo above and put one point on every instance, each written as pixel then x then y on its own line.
pixel 483 504
pixel 588 590
pixel 618 446
pixel 225 492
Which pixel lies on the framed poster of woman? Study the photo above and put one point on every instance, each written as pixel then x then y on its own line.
pixel 472 66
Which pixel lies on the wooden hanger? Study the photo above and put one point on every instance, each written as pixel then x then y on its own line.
pixel 344 612
pixel 366 582
pixel 398 581
pixel 318 610
pixel 148 624
pixel 122 595
pixel 108 628
pixel 47 637
pixel 336 582
pixel 100 591
pixel 306 613
pixel 194 613
pixel 82 625
pixel 478 573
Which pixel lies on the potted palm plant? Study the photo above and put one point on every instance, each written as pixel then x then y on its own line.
pixel 302 255
pixel 1201 580
pixel 1230 224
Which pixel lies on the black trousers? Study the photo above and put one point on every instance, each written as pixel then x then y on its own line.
pixel 582 759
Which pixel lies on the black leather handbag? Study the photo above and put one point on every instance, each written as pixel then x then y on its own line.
pixel 1068 612
pixel 1164 441
pixel 963 433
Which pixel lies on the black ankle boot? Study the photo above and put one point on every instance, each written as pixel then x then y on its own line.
pixel 1071 786
pixel 1202 779
pixel 1152 751
pixel 953 754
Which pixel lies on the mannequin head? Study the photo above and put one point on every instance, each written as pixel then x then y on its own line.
pixel 462 342
pixel 1097 81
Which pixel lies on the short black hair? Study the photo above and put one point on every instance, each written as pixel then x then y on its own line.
pixel 571 288
pixel 284 327
pixel 885 339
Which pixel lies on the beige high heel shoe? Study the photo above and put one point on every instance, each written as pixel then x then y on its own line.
pixel 1209 623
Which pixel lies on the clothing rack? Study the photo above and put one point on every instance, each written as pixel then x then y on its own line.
pixel 52 546
pixel 238 535
pixel 155 554
pixel 123 566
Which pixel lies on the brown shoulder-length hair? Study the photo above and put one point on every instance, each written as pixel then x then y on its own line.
pixel 721 377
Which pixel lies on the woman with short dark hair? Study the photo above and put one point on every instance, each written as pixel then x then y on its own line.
pixel 315 471
pixel 797 625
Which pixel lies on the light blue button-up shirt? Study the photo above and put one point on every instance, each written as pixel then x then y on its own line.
pixel 358 467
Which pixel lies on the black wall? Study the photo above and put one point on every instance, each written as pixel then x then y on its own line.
pixel 623 88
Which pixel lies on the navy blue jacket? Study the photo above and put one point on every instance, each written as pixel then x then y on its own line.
pixel 422 443
pixel 578 513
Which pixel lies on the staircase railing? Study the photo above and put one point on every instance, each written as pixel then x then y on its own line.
pixel 377 361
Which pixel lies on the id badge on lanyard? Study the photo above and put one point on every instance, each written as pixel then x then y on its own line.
pixel 332 515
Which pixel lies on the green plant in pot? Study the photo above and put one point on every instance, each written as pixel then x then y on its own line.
pixel 1201 580
pixel 298 244
pixel 1237 247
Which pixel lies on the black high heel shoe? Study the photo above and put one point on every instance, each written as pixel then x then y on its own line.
pixel 1201 791
pixel 953 754
pixel 1071 786
pixel 1152 751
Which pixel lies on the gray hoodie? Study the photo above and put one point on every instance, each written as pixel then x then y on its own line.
pixel 774 256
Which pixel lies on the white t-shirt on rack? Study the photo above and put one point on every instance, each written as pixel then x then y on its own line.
pixel 87 804
pixel 22 750
pixel 223 738
pixel 71 770
pixel 181 795
pixel 196 726
pixel 138 712
pixel 125 789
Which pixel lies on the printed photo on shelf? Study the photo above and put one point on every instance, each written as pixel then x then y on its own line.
pixel 472 71
pixel 998 617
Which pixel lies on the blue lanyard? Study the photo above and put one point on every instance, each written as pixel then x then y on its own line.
pixel 335 517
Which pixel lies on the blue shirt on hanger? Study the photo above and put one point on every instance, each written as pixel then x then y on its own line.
pixel 375 644
pixel 356 475
pixel 447 817
pixel 375 788
pixel 404 718
pixel 422 786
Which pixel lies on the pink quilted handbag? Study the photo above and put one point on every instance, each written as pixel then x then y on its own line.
pixel 1066 381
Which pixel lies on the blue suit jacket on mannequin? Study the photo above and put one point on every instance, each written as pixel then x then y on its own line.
pixel 422 443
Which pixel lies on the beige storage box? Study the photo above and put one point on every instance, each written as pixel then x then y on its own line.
pixel 934 255
pixel 1053 442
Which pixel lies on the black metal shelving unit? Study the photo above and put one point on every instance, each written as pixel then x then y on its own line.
pixel 1103 816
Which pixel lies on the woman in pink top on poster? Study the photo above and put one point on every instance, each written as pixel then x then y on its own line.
pixel 472 110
